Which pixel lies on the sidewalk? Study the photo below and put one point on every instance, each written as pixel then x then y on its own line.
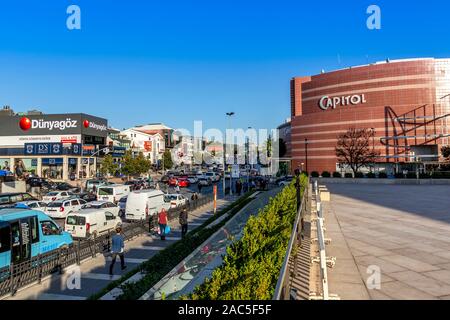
pixel 95 272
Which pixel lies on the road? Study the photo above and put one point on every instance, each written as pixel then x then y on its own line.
pixel 94 272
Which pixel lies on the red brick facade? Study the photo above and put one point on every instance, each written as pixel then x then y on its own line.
pixel 403 103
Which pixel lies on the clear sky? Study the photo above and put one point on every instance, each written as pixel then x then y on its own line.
pixel 136 62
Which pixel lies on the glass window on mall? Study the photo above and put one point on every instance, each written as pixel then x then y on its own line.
pixel 52 168
pixel 5 164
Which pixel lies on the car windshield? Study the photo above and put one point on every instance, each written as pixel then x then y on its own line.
pixel 210 174
pixel 92 206
pixel 123 200
pixel 52 194
pixel 172 197
pixel 55 204
pixel 76 220
pixel 105 191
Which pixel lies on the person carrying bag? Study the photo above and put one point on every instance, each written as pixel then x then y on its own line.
pixel 162 221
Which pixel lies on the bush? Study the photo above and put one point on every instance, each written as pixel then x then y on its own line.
pixel 326 174
pixel 337 174
pixel 382 175
pixel 440 175
pixel 348 175
pixel 399 175
pixel 411 175
pixel 371 175
pixel 314 174
pixel 251 267
pixel 359 175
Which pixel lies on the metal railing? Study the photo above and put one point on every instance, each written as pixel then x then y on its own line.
pixel 19 275
pixel 289 270
pixel 322 259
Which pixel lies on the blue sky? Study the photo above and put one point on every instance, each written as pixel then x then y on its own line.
pixel 137 62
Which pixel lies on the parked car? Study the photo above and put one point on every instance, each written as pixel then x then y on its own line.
pixel 122 205
pixel 25 234
pixel 214 177
pixel 204 182
pixel 10 199
pixel 102 205
pixel 183 183
pixel 144 203
pixel 285 181
pixel 90 183
pixel 173 181
pixel 91 223
pixel 112 193
pixel 63 186
pixel 61 208
pixel 33 204
pixel 192 179
pixel 87 196
pixel 57 195
pixel 176 200
pixel 36 182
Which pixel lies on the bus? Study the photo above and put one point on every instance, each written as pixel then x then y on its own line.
pixel 26 233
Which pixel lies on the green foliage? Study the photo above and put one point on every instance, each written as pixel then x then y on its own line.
pixel 371 175
pixel 359 175
pixel 167 159
pixel 135 165
pixel 445 150
pixel 382 175
pixel 252 265
pixel 108 166
pixel 326 174
pixel 314 174
pixel 348 175
pixel 337 174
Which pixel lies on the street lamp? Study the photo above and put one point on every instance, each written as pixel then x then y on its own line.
pixel 306 155
pixel 373 146
pixel 229 115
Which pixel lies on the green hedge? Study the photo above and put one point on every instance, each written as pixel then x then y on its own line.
pixel 164 261
pixel 251 268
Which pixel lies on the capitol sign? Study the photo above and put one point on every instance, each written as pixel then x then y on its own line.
pixel 327 102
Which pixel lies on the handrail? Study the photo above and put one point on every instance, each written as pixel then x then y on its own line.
pixel 283 279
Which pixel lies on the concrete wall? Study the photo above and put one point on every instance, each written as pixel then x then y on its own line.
pixel 14 186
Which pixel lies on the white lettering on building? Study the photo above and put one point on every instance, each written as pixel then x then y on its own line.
pixel 50 125
pixel 326 102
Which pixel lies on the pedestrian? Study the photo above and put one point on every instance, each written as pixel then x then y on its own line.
pixel 162 221
pixel 117 250
pixel 183 219
pixel 199 186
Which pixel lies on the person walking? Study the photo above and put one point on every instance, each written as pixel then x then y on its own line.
pixel 183 219
pixel 199 186
pixel 118 246
pixel 162 221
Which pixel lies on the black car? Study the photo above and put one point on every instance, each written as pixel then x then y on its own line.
pixel 64 186
pixel 40 183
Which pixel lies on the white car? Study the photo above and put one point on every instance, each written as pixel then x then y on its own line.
pixel 57 195
pixel 61 208
pixel 91 223
pixel 102 205
pixel 35 205
pixel 192 179
pixel 176 200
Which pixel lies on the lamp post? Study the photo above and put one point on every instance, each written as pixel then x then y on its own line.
pixel 297 187
pixel 306 155
pixel 229 115
pixel 373 147
pixel 106 150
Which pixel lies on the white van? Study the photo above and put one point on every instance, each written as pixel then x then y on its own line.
pixel 90 222
pixel 143 203
pixel 112 193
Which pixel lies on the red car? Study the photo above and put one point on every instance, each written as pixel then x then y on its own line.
pixel 172 181
pixel 183 183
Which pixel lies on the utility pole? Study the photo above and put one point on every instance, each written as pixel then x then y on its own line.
pixel 229 115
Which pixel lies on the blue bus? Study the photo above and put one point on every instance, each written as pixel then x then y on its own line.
pixel 25 234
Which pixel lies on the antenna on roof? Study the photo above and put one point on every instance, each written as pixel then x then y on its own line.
pixel 388 60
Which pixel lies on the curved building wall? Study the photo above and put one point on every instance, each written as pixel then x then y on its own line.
pixel 401 100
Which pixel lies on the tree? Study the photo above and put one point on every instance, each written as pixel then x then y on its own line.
pixel 128 164
pixel 355 150
pixel 108 165
pixel 141 164
pixel 167 159
pixel 445 150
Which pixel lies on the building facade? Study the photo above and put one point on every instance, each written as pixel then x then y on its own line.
pixel 405 103
pixel 152 146
pixel 51 145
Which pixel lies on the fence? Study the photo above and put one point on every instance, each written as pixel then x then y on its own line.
pixel 289 270
pixel 17 276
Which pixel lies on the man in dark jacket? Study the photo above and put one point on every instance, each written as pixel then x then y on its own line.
pixel 183 219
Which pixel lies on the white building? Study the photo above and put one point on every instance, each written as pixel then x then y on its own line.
pixel 151 145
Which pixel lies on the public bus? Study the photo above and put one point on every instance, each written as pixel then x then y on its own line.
pixel 26 233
